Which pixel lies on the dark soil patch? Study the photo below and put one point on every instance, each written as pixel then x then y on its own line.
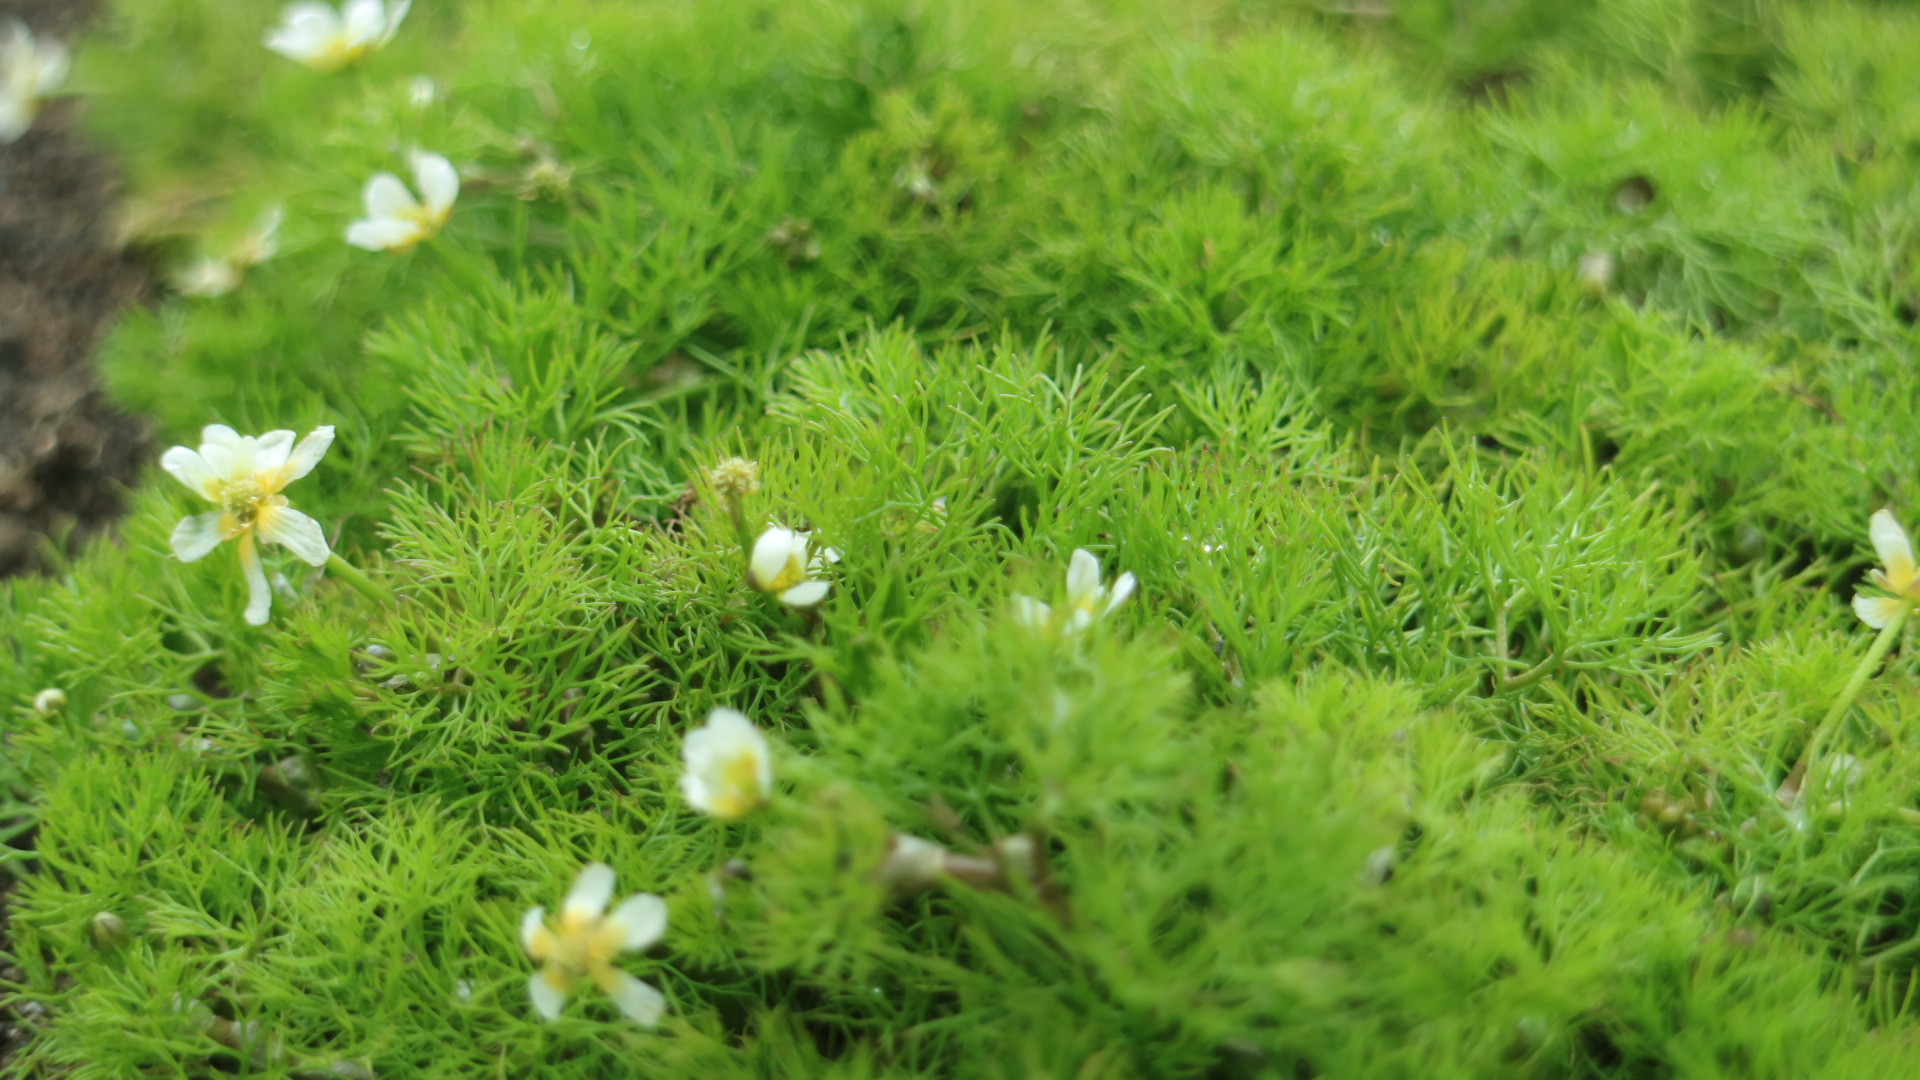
pixel 65 454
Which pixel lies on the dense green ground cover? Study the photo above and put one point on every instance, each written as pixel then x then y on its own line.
pixel 1489 398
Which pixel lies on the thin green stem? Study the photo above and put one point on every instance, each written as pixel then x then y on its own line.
pixel 360 582
pixel 1868 665
pixel 740 530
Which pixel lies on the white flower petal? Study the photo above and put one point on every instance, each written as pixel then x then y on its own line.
pixel 53 63
pixel 591 891
pixel 308 454
pixel 805 594
pixel 259 594
pixel 206 278
pixel 220 435
pixel 1030 612
pixel 642 918
pixel 730 727
pixel 228 453
pixel 387 198
pixel 16 117
pixel 195 536
pixel 638 1001
pixel 311 13
pixel 693 786
pixel 384 235
pixel 775 548
pixel 395 16
pixel 308 33
pixel 270 450
pixel 1876 611
pixel 531 923
pixel 263 242
pixel 1891 544
pixel 1123 587
pixel 1083 575
pixel 230 463
pixel 365 21
pixel 438 181
pixel 295 531
pixel 546 1000
pixel 191 469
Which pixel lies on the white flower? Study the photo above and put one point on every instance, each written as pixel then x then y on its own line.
pixel 780 567
pixel 206 277
pixel 1898 575
pixel 29 70
pixel 729 770
pixel 243 476
pixel 218 276
pixel 262 242
pixel 395 220
pixel 1084 597
pixel 326 40
pixel 585 943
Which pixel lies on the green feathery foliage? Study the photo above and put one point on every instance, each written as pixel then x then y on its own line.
pixel 1489 400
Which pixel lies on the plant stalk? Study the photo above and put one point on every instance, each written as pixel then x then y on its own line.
pixel 358 579
pixel 1790 788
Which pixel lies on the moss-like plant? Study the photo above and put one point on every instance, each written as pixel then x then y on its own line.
pixel 1101 539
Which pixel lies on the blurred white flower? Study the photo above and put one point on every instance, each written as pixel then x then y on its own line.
pixel 729 770
pixel 585 943
pixel 207 276
pixel 328 39
pixel 1087 598
pixel 782 568
pixel 29 71
pixel 243 476
pixel 1897 575
pixel 262 242
pixel 49 701
pixel 396 221
pixel 220 275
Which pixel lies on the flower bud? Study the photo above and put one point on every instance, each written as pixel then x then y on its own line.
pixel 734 478
pixel 49 701
pixel 108 931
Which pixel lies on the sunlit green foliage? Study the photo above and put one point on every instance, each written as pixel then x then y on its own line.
pixel 1489 398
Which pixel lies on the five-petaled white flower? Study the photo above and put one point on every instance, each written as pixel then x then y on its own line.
pixel 729 771
pixel 29 70
pixel 326 39
pixel 1084 597
pixel 585 942
pixel 396 221
pixel 782 567
pixel 220 275
pixel 243 476
pixel 1897 575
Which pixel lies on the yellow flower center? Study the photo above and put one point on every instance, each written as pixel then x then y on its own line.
pixel 790 575
pixel 739 787
pixel 583 945
pixel 338 54
pixel 246 504
pixel 1900 581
